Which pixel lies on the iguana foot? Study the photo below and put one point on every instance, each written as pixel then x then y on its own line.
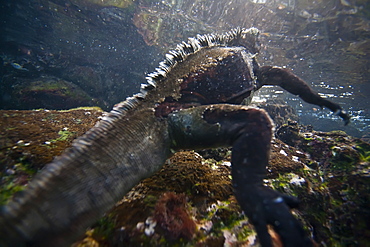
pixel 264 206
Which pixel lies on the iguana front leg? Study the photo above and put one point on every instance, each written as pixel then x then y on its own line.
pixel 249 132
pixel 269 75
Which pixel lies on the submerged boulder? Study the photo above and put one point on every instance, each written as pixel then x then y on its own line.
pixel 49 92
pixel 190 200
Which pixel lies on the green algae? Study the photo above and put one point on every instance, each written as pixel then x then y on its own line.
pixel 104 228
pixel 63 135
pixel 364 153
pixel 8 190
pixel 86 108
pixel 115 3
pixel 289 183
pixel 227 221
pixel 15 179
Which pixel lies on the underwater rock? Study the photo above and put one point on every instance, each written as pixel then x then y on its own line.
pixel 115 3
pixel 337 179
pixel 279 113
pixel 328 172
pixel 87 78
pixel 30 139
pixel 148 26
pixel 165 26
pixel 49 92
pixel 53 39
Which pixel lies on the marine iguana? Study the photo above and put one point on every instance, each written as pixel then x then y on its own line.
pixel 192 101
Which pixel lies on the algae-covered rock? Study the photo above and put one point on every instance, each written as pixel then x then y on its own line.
pixel 50 92
pixel 279 113
pixel 115 3
pixel 336 181
pixel 92 44
pixel 328 172
pixel 30 139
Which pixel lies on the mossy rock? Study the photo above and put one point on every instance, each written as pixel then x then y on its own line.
pixel 50 92
pixel 328 172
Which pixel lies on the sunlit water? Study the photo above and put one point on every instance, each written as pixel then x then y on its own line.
pixel 351 98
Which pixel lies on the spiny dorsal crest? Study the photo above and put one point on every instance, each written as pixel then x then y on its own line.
pixel 235 37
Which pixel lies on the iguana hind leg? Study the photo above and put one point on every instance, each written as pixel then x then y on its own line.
pixel 249 132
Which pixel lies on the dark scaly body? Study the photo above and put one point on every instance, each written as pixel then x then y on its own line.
pixel 190 102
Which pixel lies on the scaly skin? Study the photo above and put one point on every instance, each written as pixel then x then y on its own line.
pixel 190 102
pixel 81 185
